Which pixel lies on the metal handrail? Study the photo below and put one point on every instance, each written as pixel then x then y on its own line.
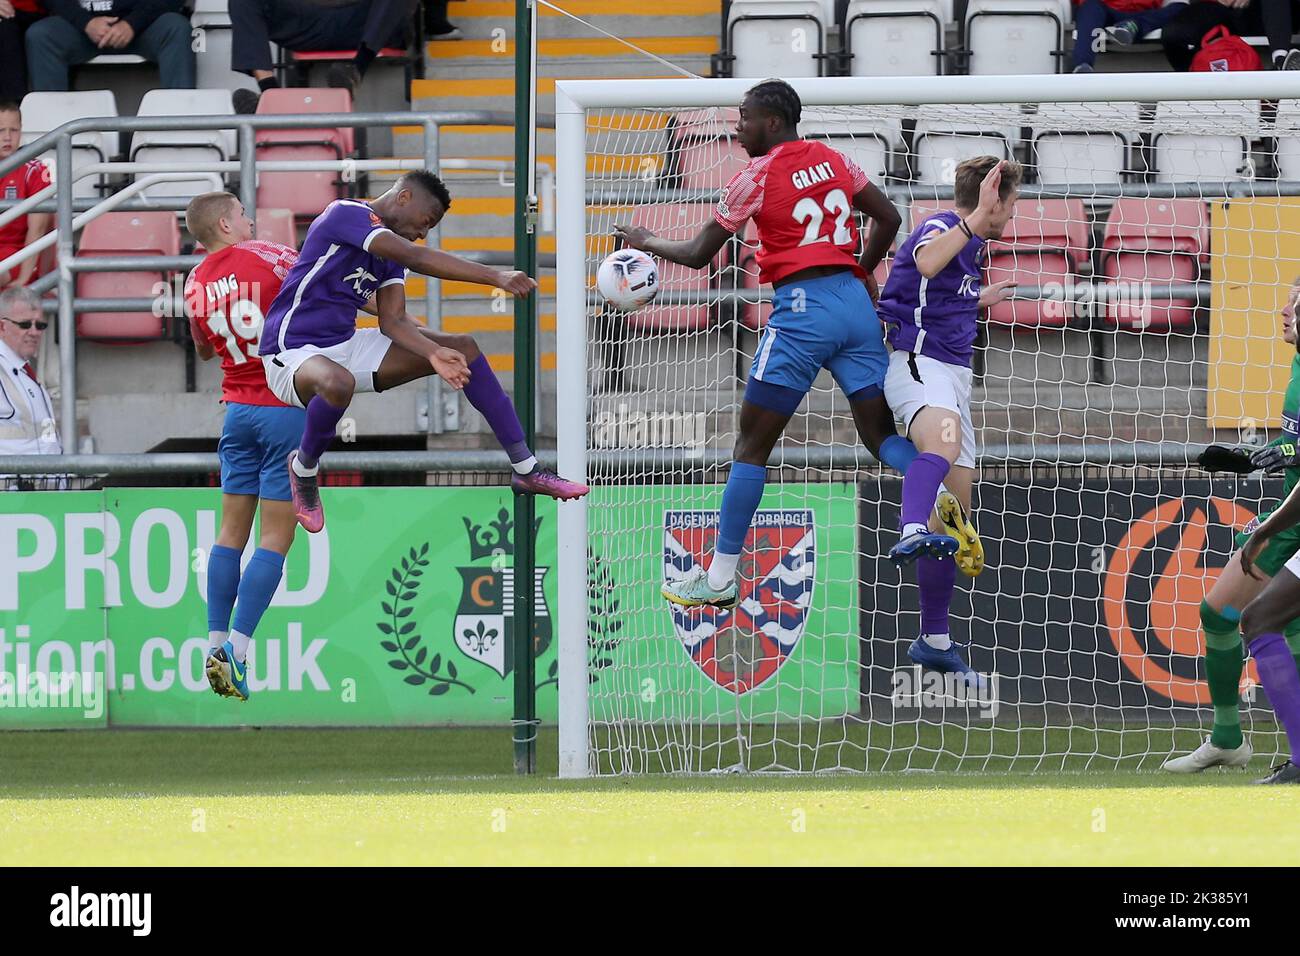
pixel 246 127
pixel 643 461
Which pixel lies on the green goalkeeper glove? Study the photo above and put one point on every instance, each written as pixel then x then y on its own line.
pixel 1275 458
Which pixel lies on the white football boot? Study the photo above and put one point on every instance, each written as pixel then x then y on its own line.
pixel 1207 755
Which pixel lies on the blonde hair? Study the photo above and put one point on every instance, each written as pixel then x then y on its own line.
pixel 204 212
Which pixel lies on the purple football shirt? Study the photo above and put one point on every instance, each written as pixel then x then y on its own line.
pixel 934 317
pixel 334 276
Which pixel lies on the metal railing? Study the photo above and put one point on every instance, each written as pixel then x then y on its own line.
pixel 639 462
pixel 60 141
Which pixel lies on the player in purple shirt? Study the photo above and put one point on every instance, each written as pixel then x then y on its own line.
pixel 930 306
pixel 315 356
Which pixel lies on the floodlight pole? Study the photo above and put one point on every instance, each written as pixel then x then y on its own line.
pixel 525 711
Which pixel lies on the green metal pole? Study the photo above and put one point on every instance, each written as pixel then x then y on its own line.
pixel 525 713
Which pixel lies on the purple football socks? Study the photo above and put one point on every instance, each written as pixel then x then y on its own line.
pixel 921 487
pixel 935 580
pixel 322 421
pixel 485 394
pixel 1281 680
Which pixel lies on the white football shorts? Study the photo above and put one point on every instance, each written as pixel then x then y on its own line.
pixel 915 381
pixel 360 355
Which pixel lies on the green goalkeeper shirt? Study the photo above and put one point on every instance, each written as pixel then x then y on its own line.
pixel 1290 421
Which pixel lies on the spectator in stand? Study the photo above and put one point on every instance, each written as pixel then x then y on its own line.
pixel 27 425
pixel 436 24
pixel 80 30
pixel 1275 19
pixel 1127 20
pixel 29 178
pixel 302 25
pixel 15 17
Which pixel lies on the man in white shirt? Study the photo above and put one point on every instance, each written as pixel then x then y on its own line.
pixel 27 422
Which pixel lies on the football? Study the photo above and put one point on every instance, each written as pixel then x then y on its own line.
pixel 628 279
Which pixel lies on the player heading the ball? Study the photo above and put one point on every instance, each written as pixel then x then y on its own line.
pixel 316 357
pixel 802 195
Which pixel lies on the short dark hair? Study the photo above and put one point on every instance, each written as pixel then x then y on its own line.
pixel 430 183
pixel 205 212
pixel 777 98
pixel 971 172
pixel 11 106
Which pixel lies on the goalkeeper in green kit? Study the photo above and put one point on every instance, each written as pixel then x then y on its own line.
pixel 1221 608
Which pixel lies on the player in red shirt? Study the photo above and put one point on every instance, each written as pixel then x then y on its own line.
pixel 29 178
pixel 802 195
pixel 226 298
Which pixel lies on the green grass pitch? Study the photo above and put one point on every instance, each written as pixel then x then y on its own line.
pixel 372 797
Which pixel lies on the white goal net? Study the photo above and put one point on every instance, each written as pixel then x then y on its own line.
pixel 1154 243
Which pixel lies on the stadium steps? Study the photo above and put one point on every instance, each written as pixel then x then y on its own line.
pixel 477 73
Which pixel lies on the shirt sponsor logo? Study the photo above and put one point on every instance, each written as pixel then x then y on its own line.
pixel 359 277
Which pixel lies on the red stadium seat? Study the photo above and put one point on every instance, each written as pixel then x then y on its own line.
pixel 117 234
pixel 1043 245
pixel 276 225
pixel 676 221
pixel 1157 241
pixel 306 193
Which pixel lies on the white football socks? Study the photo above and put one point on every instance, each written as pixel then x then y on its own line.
pixel 914 528
pixel 239 642
pixel 525 466
pixel 302 471
pixel 722 570
pixel 940 642
pixel 216 639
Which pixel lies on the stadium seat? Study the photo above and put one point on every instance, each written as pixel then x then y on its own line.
pixel 1015 36
pixel 306 193
pixel 184 146
pixel 277 225
pixel 896 37
pixel 785 38
pixel 871 143
pixel 1044 245
pixel 1157 241
pixel 117 234
pixel 43 112
pixel 703 150
pixel 1218 150
pixel 676 221
pixel 1288 146
pixel 211 23
pixel 1083 143
pixel 940 144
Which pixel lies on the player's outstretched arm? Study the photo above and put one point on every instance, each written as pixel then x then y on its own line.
pixel 443 265
pixel 1285 516
pixel 933 255
pixel 405 332
pixel 693 253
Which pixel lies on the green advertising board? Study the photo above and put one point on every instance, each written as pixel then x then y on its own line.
pixel 397 614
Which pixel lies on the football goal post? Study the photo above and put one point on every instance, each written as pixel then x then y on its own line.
pixel 1155 240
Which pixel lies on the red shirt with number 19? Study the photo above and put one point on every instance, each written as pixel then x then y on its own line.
pixel 800 195
pixel 227 297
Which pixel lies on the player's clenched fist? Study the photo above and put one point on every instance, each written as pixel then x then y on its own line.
pixel 516 283
pixel 634 236
pixel 450 366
